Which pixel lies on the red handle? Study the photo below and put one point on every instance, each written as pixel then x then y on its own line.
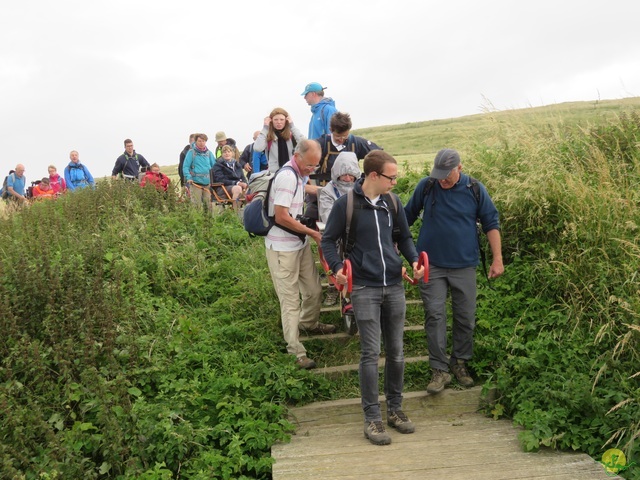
pixel 346 271
pixel 423 261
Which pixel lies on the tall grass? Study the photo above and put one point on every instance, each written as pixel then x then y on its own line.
pixel 569 202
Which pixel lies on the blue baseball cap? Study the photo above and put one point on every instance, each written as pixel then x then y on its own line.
pixel 313 87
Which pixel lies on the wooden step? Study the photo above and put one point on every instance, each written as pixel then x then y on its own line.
pixel 451 442
pixel 336 308
pixel 343 335
pixel 341 369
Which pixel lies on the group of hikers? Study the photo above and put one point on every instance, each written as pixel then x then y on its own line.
pixel 130 166
pixel 319 191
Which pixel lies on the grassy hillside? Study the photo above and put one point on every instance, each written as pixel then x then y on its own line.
pixel 141 337
pixel 415 144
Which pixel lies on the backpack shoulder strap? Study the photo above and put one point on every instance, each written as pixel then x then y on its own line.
pixel 266 202
pixel 428 186
pixel 473 184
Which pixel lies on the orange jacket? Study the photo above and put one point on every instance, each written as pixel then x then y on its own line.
pixel 39 193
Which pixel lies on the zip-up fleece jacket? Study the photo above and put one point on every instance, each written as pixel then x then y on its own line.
pixel 448 233
pixel 374 260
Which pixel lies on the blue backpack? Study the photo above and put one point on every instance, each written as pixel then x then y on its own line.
pixel 256 218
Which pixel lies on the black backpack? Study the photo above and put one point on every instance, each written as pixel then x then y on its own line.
pixel 5 193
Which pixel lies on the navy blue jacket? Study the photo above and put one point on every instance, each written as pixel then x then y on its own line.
pixel 222 173
pixel 129 166
pixel 448 232
pixel 374 259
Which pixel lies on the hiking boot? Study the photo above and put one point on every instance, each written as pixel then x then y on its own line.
pixel 320 329
pixel 332 296
pixel 400 422
pixel 439 380
pixel 375 432
pixel 305 363
pixel 459 369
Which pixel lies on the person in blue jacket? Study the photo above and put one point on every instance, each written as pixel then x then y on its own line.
pixel 16 187
pixel 196 169
pixel 451 204
pixel 322 109
pixel 76 174
pixel 378 296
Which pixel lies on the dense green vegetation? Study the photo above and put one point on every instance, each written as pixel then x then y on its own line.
pixel 141 337
pixel 135 343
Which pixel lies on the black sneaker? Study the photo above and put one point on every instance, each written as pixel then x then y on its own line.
pixel 375 432
pixel 400 422
pixel 459 369
pixel 439 380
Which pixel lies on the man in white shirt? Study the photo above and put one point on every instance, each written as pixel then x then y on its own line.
pixel 293 270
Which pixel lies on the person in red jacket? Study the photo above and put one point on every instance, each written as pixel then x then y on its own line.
pixel 154 177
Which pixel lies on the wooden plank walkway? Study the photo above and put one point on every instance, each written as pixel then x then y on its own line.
pixel 451 442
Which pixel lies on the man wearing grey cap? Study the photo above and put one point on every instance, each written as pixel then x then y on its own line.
pixel 451 203
pixel 322 109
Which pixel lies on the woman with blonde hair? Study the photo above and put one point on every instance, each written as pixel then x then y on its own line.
pixel 278 138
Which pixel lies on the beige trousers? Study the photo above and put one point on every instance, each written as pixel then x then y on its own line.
pixel 297 283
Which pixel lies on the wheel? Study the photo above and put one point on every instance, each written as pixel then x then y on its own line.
pixel 349 319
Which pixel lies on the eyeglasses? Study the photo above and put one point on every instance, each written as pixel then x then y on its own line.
pixel 393 178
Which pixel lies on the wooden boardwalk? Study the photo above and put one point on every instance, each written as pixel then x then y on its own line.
pixel 451 442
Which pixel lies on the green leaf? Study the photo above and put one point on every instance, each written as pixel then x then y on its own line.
pixel 136 392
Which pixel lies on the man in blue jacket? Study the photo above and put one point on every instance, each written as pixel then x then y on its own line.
pixel 76 175
pixel 377 222
pixel 322 109
pixel 451 203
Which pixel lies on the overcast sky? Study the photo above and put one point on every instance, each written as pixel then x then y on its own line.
pixel 85 75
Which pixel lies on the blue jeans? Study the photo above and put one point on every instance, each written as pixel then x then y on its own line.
pixel 462 284
pixel 380 310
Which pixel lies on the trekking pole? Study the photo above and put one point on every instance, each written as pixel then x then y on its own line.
pixel 423 260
